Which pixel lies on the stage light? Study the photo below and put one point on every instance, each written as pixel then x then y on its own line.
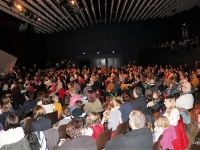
pixel 113 52
pixel 39 19
pixel 83 53
pixel 72 2
pixel 19 7
pixel 97 52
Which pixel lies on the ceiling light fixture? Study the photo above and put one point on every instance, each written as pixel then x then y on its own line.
pixel 19 7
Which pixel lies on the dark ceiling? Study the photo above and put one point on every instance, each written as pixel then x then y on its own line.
pixel 48 16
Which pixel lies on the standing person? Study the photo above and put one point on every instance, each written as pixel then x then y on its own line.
pixel 139 137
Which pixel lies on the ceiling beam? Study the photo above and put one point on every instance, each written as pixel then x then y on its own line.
pixel 138 10
pixel 29 7
pixel 122 11
pixel 87 11
pixel 51 12
pixel 146 7
pixel 111 9
pixel 91 1
pixel 163 9
pixel 131 3
pixel 61 14
pixel 82 15
pixel 15 13
pixel 118 3
pixel 99 6
pixel 156 6
pixel 133 10
pixel 105 10
pixel 149 8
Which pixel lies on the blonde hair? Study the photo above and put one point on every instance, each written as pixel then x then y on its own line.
pixel 172 103
pixel 115 102
pixel 5 99
pixel 55 98
pixel 6 106
pixel 162 122
pixel 91 118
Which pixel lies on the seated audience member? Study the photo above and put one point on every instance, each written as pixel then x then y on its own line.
pixel 186 99
pixel 66 117
pixel 41 123
pixel 93 121
pixel 76 86
pixel 48 82
pixel 155 103
pixel 6 110
pixel 93 104
pixel 195 80
pixel 57 105
pixel 74 97
pixel 160 125
pixel 172 113
pixel 47 104
pixel 126 107
pixel 79 138
pixel 112 115
pixel 78 111
pixel 29 104
pixel 139 137
pixel 39 98
pixel 140 101
pixel 12 132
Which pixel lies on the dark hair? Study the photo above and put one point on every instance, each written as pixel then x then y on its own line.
pixel 138 76
pixel 66 111
pixel 125 97
pixel 79 103
pixel 74 127
pixel 138 91
pixel 91 96
pixel 12 121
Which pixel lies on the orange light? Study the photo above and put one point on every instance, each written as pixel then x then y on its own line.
pixel 39 19
pixel 19 7
pixel 72 2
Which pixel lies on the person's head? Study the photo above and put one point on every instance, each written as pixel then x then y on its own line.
pixel 137 77
pixel 156 94
pixel 137 120
pixel 39 111
pixel 65 111
pixel 69 85
pixel 125 97
pixel 74 128
pixel 169 103
pixel 46 99
pixel 11 122
pixel 55 98
pixel 186 86
pixel 137 92
pixel 79 104
pixel 40 96
pixel 5 99
pixel 162 122
pixel 92 117
pixel 72 91
pixel 94 78
pixel 7 106
pixel 91 96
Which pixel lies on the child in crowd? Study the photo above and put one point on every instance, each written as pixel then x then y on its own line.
pixel 112 115
pixel 66 117
pixel 160 125
pixel 93 122
pixel 57 105
pixel 78 112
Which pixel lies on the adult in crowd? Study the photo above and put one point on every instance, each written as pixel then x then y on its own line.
pixel 79 137
pixel 139 137
pixel 12 132
pixel 41 123
pixel 126 107
pixel 93 104
pixel 140 101
pixel 186 100
pixel 47 104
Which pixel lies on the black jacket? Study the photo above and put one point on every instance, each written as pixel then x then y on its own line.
pixel 41 124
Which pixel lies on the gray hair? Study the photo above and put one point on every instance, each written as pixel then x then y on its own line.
pixel 137 118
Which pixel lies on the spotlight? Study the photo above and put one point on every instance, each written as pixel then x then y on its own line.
pixel 19 7
pixel 83 53
pixel 113 52
pixel 97 52
pixel 72 2
pixel 10 3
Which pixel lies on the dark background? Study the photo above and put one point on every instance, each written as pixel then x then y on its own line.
pixel 124 38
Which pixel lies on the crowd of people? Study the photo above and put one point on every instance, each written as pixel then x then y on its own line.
pixel 90 101
pixel 192 42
